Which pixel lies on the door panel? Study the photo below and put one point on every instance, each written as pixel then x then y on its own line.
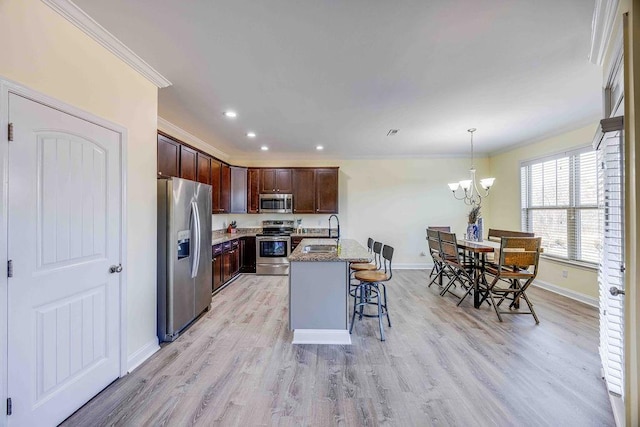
pixel 304 195
pixel 188 164
pixel 64 233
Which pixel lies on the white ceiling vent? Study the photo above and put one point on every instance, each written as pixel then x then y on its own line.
pixel 392 132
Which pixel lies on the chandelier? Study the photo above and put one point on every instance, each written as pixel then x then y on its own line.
pixel 472 195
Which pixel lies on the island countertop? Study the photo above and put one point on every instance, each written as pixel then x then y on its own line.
pixel 350 251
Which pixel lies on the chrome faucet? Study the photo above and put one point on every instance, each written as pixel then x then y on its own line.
pixel 338 221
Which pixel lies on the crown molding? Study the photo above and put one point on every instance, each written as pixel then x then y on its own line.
pixel 72 13
pixel 604 16
pixel 184 136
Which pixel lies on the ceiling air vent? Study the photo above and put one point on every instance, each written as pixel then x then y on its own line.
pixel 392 132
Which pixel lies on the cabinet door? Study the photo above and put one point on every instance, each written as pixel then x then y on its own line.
pixel 187 163
pixel 216 271
pixel 253 190
pixel 268 181
pixel 304 194
pixel 225 188
pixel 326 190
pixel 238 190
pixel 226 267
pixel 168 157
pixel 248 254
pixel 284 182
pixel 236 260
pixel 216 176
pixel 204 168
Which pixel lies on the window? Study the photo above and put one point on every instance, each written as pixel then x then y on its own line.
pixel 559 199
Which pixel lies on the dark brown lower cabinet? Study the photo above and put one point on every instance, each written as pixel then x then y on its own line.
pixel 248 254
pixel 227 262
pixel 295 241
pixel 216 272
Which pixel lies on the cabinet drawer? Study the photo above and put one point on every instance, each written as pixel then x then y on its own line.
pixel 217 249
pixel 226 246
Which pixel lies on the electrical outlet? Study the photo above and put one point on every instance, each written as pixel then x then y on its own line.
pixel 565 274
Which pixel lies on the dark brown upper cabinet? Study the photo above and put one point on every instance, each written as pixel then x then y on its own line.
pixel 276 181
pixel 168 157
pixel 204 168
pixel 326 190
pixel 225 188
pixel 253 190
pixel 188 163
pixel 304 191
pixel 221 187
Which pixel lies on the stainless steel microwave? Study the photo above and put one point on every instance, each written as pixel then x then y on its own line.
pixel 276 203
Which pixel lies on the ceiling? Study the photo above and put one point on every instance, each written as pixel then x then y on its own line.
pixel 302 73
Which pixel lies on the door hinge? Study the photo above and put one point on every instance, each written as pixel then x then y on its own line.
pixel 9 406
pixel 10 132
pixel 622 268
pixel 10 268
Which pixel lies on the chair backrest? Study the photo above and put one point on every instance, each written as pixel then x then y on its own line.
pixel 370 244
pixel 496 235
pixel 448 245
pixel 439 228
pixel 387 255
pixel 377 254
pixel 521 252
pixel 434 241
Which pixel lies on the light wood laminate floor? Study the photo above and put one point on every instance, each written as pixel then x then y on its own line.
pixel 441 365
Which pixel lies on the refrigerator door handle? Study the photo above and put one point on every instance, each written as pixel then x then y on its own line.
pixel 196 252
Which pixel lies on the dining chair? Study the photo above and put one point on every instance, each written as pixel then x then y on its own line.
pixel 434 249
pixel 454 263
pixel 517 265
pixel 371 290
pixel 496 235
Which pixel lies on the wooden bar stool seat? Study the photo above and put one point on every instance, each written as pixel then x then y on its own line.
pixel 362 266
pixel 371 276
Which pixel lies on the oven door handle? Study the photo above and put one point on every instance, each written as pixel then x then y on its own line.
pixel 273 239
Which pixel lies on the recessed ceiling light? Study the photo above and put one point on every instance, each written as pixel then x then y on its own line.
pixel 264 148
pixel 319 147
pixel 251 134
pixel 230 114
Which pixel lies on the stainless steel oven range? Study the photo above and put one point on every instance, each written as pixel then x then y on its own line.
pixel 273 246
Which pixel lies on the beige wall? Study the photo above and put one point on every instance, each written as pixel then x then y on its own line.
pixel 505 204
pixel 44 52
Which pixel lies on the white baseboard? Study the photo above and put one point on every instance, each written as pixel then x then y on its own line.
pixel 142 354
pixel 321 336
pixel 567 293
pixel 412 266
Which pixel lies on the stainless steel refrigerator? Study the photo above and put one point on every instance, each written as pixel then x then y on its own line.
pixel 184 254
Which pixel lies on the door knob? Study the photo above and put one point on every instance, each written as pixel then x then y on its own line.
pixel 115 268
pixel 616 291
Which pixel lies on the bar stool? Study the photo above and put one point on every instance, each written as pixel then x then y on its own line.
pixel 376 249
pixel 372 291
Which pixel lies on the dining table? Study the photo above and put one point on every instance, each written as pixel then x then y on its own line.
pixel 478 252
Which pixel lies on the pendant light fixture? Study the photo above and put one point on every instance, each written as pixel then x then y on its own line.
pixel 472 195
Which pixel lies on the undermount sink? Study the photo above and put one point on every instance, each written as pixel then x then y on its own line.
pixel 323 249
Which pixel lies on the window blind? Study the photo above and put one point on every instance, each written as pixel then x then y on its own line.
pixel 610 272
pixel 559 202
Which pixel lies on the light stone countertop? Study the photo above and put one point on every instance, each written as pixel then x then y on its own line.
pixel 227 237
pixel 349 251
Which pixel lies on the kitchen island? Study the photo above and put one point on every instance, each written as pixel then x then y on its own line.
pixel 319 289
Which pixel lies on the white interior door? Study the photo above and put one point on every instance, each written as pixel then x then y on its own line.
pixel 64 220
